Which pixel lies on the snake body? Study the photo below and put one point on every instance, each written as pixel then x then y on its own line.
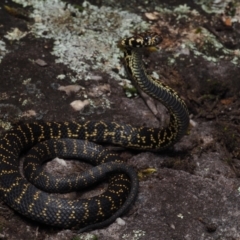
pixel 106 207
pixel 99 211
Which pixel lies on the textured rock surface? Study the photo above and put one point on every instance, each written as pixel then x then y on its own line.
pixel 195 191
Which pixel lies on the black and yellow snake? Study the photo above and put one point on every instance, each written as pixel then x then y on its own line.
pixel 99 211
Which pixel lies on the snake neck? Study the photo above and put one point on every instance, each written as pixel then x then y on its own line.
pixel 179 116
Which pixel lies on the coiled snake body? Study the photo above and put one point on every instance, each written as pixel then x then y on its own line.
pixel 98 211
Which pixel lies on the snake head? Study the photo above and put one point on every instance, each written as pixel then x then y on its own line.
pixel 146 39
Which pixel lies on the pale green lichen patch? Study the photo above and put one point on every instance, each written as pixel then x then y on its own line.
pixel 213 6
pixel 209 47
pixel 88 236
pixel 3 50
pixel 8 112
pixel 5 125
pixel 15 34
pixel 181 11
pixel 192 36
pixel 84 39
pixel 135 235
pixel 129 89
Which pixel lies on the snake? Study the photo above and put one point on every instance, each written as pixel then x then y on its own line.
pixel 46 138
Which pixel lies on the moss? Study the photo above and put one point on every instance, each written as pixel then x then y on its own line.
pixel 129 90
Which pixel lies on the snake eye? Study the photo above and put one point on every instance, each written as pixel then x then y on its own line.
pixel 146 39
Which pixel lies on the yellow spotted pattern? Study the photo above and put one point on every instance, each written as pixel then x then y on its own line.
pixel 101 210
